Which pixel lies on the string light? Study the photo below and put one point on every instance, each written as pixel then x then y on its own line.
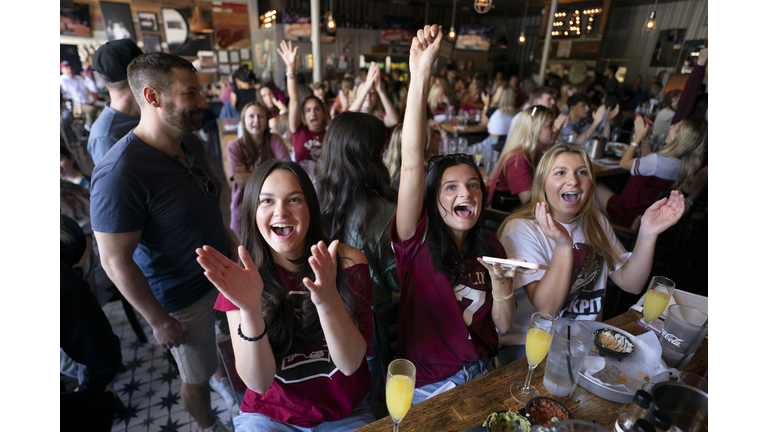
pixel 650 23
pixel 452 33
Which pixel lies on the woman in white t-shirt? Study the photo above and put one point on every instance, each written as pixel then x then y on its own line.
pixel 499 119
pixel 562 228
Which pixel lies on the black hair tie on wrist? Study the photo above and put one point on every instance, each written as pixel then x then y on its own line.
pixel 254 339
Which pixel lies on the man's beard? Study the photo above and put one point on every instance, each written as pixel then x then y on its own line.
pixel 185 121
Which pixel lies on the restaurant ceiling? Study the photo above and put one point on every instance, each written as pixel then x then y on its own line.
pixel 514 7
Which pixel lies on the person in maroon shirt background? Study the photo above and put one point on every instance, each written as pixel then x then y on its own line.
pixel 310 368
pixel 306 122
pixel 451 303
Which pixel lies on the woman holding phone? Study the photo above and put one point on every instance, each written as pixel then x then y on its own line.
pixel 450 303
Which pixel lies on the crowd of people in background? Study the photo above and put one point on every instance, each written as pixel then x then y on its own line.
pixel 341 203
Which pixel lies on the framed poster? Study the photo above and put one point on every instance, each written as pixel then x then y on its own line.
pixel 234 57
pixel 117 21
pixel 346 45
pixel 181 41
pixel 224 69
pixel 151 42
pixel 245 54
pixel 667 48
pixel 147 21
pixel 223 57
pixel 75 21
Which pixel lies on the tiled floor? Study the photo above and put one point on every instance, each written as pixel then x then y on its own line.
pixel 150 386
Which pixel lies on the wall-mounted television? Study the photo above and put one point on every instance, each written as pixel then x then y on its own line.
pixel 474 37
pixel 398 30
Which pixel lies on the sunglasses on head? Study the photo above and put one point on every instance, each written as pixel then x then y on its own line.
pixel 202 178
pixel 461 157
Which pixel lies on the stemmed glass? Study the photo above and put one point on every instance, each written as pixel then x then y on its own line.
pixel 537 342
pixel 401 381
pixel 657 297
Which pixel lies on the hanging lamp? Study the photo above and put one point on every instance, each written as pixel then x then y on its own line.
pixel 452 32
pixel 521 38
pixel 650 24
pixel 483 6
pixel 331 23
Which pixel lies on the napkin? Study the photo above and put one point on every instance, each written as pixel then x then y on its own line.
pixel 606 162
pixel 629 375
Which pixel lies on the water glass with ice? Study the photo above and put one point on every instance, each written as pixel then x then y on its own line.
pixel 570 346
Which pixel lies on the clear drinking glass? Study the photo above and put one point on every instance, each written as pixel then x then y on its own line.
pixel 537 342
pixel 401 382
pixel 660 290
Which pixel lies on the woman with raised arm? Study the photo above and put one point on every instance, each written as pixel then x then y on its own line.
pixel 450 302
pixel 299 313
pixel 371 97
pixel 561 227
pixel 306 119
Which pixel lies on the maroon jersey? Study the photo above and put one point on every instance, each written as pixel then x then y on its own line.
pixel 308 388
pixel 441 328
pixel 307 144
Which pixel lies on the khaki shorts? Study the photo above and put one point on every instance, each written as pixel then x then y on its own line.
pixel 197 358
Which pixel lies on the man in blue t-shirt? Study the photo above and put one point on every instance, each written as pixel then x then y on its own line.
pixel 121 114
pixel 154 201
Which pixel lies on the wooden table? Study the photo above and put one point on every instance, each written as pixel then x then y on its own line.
pixel 468 129
pixel 601 171
pixel 468 405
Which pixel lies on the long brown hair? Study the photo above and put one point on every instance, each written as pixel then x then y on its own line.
pixel 588 217
pixel 252 151
pixel 291 320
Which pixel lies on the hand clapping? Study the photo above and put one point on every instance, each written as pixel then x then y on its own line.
pixel 663 214
pixel 323 263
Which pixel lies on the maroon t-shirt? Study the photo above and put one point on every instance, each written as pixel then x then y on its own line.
pixel 440 329
pixel 517 178
pixel 307 144
pixel 308 388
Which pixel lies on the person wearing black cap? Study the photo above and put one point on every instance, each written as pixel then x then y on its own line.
pixel 121 114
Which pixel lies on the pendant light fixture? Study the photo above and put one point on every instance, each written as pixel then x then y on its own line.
pixel 483 6
pixel 330 23
pixel 650 24
pixel 198 23
pixel 452 33
pixel 521 38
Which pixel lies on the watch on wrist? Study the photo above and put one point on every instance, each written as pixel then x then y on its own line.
pixel 290 74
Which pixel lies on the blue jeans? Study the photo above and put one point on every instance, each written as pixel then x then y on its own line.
pixel 469 372
pixel 510 353
pixel 253 422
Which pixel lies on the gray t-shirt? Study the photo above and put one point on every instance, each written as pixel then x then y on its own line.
pixel 108 129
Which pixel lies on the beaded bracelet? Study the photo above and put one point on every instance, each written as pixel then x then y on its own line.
pixel 257 338
pixel 501 299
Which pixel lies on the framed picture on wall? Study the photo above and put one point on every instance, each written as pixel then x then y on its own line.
pixel 151 42
pixel 147 21
pixel 75 20
pixel 346 46
pixel 234 57
pixel 245 53
pixel 118 23
pixel 667 49
pixel 223 57
pixel 181 41
pixel 224 69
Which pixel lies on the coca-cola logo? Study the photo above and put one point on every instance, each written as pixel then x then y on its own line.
pixel 674 340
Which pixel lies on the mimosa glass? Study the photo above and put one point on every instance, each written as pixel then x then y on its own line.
pixel 401 381
pixel 537 342
pixel 660 290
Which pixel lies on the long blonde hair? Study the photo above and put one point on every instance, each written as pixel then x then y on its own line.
pixel 504 99
pixel 434 91
pixel 688 145
pixel 394 157
pixel 588 217
pixel 525 138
